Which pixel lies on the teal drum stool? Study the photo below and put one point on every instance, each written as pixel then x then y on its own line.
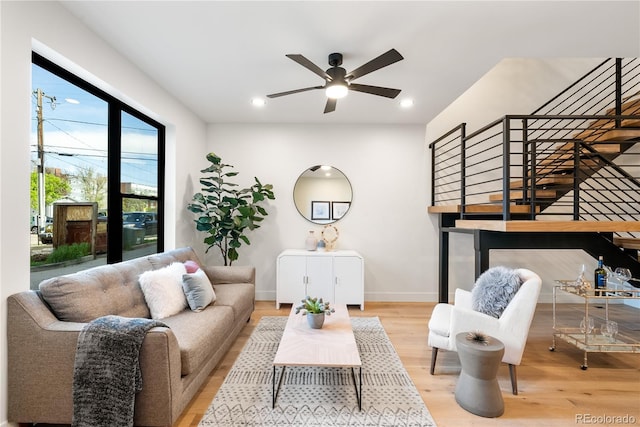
pixel 477 389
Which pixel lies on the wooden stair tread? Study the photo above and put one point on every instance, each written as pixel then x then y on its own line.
pixel 595 135
pixel 567 165
pixel 605 130
pixel 609 124
pixel 629 108
pixel 549 226
pixel 519 194
pixel 603 146
pixel 630 123
pixel 564 156
pixel 488 209
pixel 627 242
pixel 546 181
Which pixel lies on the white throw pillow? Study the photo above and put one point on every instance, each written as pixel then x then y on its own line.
pixel 162 290
pixel 198 290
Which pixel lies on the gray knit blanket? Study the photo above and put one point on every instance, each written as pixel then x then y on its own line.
pixel 107 373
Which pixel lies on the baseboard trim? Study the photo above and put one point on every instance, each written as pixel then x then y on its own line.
pixel 372 296
pixel 401 296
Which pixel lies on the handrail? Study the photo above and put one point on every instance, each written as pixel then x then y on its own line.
pixel 486 127
pixel 453 130
pixel 571 86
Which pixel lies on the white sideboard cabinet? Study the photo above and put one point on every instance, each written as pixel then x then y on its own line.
pixel 336 276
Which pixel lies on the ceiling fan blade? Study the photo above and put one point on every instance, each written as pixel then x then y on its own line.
pixel 375 90
pixel 381 61
pixel 291 92
pixel 330 106
pixel 309 65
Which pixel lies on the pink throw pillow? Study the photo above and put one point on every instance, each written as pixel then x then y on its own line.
pixel 191 266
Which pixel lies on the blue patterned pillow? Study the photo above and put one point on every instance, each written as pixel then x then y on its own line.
pixel 494 289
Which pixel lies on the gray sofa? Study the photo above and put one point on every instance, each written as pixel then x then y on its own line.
pixel 43 328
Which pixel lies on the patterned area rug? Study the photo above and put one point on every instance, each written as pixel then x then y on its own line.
pixel 312 396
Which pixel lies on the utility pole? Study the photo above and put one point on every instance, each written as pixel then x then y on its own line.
pixel 42 214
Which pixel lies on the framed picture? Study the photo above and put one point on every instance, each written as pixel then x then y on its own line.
pixel 320 210
pixel 338 209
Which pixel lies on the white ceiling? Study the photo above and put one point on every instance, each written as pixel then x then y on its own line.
pixel 214 56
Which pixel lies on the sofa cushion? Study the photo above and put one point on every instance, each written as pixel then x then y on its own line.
pixel 198 290
pixel 176 255
pixel 239 296
pixel 200 334
pixel 99 291
pixel 162 289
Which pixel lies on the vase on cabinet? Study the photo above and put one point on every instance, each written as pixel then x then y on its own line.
pixel 311 243
pixel 315 320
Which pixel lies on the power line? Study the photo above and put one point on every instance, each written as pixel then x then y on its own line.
pixel 62 153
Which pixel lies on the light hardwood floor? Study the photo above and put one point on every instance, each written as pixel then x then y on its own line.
pixel 553 390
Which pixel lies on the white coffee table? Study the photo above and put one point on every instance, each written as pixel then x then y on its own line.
pixel 332 346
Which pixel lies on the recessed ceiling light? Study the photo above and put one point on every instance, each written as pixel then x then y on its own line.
pixel 406 103
pixel 258 102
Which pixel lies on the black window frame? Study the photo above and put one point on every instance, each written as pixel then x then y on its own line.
pixel 114 137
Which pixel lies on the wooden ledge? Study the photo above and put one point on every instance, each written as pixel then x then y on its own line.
pixel 627 242
pixel 549 226
pixel 486 209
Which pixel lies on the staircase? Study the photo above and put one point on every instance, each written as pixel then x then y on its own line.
pixel 586 153
pixel 572 165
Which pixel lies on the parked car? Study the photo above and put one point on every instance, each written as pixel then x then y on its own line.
pixel 34 223
pixel 47 235
pixel 145 220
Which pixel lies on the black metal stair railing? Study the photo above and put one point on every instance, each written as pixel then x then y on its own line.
pixel 576 157
pixel 447 165
pixel 605 86
pixel 507 164
pixel 611 192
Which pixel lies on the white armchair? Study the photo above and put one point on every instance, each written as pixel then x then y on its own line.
pixel 512 328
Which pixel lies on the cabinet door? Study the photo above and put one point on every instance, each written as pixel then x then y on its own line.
pixel 291 279
pixel 348 280
pixel 319 277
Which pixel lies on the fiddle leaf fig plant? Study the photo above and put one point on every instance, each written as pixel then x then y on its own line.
pixel 226 213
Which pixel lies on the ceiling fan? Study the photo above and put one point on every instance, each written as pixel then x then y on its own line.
pixel 338 82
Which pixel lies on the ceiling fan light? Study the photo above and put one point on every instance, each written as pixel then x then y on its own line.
pixel 336 90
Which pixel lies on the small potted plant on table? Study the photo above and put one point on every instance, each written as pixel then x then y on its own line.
pixel 315 309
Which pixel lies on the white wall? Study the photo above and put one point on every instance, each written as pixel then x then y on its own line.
pixel 387 222
pixel 514 86
pixel 59 36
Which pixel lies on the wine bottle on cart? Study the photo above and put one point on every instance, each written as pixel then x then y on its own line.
pixel 600 277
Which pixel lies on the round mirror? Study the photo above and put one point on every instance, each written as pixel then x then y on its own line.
pixel 322 194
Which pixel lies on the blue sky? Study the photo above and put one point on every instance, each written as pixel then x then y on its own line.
pixel 75 134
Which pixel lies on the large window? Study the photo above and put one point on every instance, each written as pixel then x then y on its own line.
pixel 97 179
